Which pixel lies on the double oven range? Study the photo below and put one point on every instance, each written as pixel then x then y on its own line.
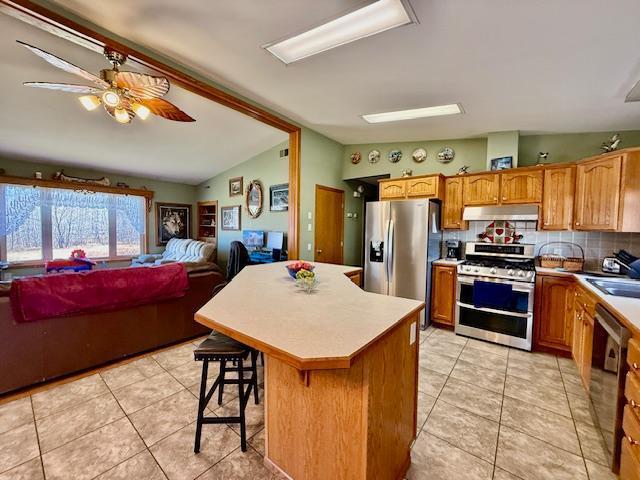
pixel 495 293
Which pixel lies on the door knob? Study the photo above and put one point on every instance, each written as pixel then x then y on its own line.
pixel 318 251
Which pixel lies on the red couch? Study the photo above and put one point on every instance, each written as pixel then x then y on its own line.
pixel 45 349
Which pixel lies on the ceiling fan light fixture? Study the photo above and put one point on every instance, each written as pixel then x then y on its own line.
pixel 90 102
pixel 141 111
pixel 121 115
pixel 111 98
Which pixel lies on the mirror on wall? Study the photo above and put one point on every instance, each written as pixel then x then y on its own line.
pixel 254 198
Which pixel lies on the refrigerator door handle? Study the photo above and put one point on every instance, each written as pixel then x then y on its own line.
pixel 390 254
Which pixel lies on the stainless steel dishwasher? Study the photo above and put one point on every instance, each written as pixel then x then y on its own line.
pixel 608 371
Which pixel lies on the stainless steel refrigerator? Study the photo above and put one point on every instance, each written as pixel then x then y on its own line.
pixel 402 239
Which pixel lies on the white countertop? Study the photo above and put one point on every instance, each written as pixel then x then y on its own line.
pixel 263 308
pixel 448 262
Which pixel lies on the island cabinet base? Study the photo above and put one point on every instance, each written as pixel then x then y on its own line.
pixel 354 423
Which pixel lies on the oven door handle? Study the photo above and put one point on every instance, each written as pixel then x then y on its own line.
pixel 517 286
pixel 493 310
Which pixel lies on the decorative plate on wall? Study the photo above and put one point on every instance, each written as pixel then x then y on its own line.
pixel 374 156
pixel 446 155
pixel 395 156
pixel 419 155
pixel 356 157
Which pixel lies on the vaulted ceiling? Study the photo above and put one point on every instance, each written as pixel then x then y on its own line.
pixel 533 66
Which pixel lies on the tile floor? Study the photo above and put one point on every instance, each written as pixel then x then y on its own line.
pixel 485 412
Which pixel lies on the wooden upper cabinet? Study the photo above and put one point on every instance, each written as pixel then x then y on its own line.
pixel 393 189
pixel 443 294
pixel 422 187
pixel 597 199
pixel 521 187
pixel 453 204
pixel 554 315
pixel 481 189
pixel 557 199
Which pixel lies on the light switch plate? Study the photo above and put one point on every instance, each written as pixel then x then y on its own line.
pixel 308 247
pixel 309 215
pixel 309 227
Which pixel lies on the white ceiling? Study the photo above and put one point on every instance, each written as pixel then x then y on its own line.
pixel 53 127
pixel 534 66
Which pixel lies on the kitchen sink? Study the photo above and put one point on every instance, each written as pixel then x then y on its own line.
pixel 617 289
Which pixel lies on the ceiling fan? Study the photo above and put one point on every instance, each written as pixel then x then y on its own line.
pixel 124 95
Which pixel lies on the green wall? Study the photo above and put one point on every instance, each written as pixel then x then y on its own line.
pixel 163 191
pixel 267 167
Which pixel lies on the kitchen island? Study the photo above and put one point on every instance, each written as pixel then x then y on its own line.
pixel 341 370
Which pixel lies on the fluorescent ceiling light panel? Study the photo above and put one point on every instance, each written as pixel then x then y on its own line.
pixel 374 18
pixel 452 109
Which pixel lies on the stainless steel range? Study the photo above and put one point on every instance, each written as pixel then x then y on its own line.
pixel 495 293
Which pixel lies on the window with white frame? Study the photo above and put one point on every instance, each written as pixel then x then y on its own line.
pixel 44 223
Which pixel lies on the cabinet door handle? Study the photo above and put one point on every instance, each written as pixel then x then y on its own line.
pixel 504 199
pixel 635 366
pixel 633 404
pixel 495 198
pixel 577 224
pixel 632 441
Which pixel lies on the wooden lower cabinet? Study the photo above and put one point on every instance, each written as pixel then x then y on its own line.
pixel 554 316
pixel 355 277
pixel 583 327
pixel 443 294
pixel 630 447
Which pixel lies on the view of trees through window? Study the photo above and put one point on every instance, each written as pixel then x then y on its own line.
pixel 41 223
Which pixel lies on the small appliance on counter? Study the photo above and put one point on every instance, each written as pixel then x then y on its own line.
pixel 454 249
pixel 630 262
pixel 611 265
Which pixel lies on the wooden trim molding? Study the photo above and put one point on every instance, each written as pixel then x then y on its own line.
pixel 61 26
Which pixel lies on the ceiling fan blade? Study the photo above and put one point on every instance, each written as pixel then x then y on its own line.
pixel 141 85
pixel 64 65
pixel 162 108
pixel 65 87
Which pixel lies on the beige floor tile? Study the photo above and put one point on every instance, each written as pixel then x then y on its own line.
pixel 62 427
pixel 229 395
pixel 94 453
pixel 175 453
pixel 573 384
pixel 31 470
pixel 175 356
pixel 165 417
pixel 471 433
pixel 435 459
pixel 441 347
pixel 131 373
pixel 448 336
pixel 482 377
pixel 16 413
pixel 239 465
pixel 568 365
pixel 68 395
pixel 544 377
pixel 544 397
pixel 139 467
pixel 592 443
pixel 522 357
pixel 438 363
pixel 191 372
pixel 138 395
pixel 254 414
pixel 542 424
pixel 257 441
pixel 430 382
pixel 472 398
pixel 599 472
pixel 425 404
pixel 580 408
pixel 488 347
pixel 17 446
pixel 532 459
pixel 484 359
pixel 500 474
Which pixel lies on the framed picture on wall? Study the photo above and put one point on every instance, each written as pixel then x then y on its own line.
pixel 235 186
pixel 279 197
pixel 173 220
pixel 501 163
pixel 230 217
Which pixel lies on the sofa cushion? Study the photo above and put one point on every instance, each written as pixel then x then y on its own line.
pixel 197 252
pixel 176 248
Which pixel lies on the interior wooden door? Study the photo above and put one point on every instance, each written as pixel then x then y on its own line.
pixel 453 204
pixel 557 199
pixel 598 194
pixel 554 312
pixel 481 189
pixel 521 187
pixel 329 231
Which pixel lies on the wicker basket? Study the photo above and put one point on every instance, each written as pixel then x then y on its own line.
pixel 570 263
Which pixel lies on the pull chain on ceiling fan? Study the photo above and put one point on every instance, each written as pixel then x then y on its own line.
pixel 124 95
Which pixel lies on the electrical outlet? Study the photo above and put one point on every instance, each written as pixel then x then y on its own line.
pixel 309 227
pixel 349 215
pixel 309 215
pixel 308 247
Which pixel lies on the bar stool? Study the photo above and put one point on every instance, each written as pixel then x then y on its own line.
pixel 219 347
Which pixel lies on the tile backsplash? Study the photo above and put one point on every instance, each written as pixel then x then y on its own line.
pixel 596 245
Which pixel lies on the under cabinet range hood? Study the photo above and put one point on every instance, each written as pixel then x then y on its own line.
pixel 527 212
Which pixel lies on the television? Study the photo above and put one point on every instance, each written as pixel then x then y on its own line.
pixel 253 239
pixel 275 240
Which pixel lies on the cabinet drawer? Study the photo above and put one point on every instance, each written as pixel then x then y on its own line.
pixel 632 391
pixel 631 427
pixel 633 355
pixel 586 301
pixel 629 464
